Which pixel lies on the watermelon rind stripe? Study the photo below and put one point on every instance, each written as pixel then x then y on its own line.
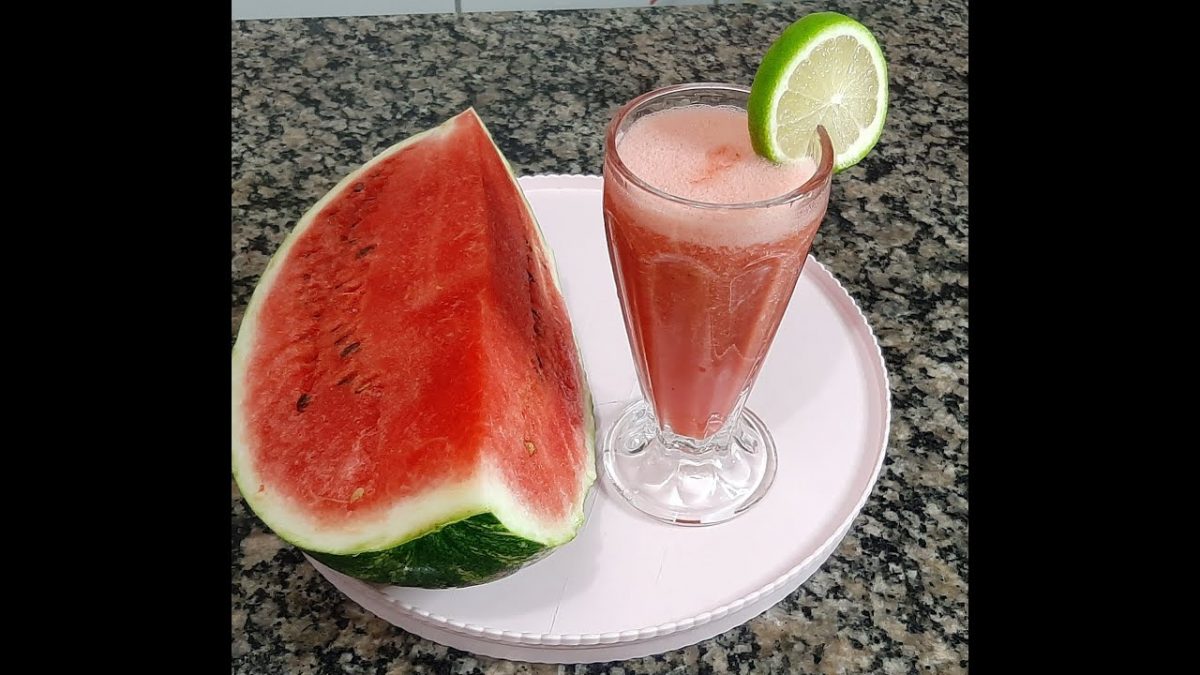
pixel 473 551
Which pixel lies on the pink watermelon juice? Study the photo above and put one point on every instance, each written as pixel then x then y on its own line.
pixel 706 260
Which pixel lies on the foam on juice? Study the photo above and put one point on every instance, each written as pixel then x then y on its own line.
pixel 703 153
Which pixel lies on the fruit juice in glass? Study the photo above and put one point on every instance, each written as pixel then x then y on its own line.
pixel 707 241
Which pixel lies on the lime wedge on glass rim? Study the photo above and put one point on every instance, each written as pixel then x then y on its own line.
pixel 825 69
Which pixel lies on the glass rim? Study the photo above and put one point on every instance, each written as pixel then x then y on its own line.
pixel 817 181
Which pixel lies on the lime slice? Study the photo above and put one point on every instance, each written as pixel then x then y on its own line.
pixel 825 69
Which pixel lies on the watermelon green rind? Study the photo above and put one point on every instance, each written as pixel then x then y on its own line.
pixel 461 534
pixel 469 552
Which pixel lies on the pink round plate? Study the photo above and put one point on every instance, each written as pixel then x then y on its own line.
pixel 629 586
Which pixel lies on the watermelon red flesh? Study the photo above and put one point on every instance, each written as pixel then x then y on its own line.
pixel 411 339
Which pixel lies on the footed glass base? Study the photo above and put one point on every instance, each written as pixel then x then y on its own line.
pixel 683 480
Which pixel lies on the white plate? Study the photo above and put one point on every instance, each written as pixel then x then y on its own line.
pixel 629 586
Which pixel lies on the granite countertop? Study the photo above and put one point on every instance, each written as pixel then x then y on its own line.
pixel 314 98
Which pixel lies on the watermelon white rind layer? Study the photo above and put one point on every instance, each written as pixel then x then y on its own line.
pixel 456 535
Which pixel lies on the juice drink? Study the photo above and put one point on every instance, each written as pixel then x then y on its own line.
pixel 706 259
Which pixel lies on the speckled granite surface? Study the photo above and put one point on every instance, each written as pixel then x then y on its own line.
pixel 312 99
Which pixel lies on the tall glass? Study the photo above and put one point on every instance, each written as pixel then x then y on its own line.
pixel 703 287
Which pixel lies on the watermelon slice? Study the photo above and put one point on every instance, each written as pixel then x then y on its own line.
pixel 409 404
